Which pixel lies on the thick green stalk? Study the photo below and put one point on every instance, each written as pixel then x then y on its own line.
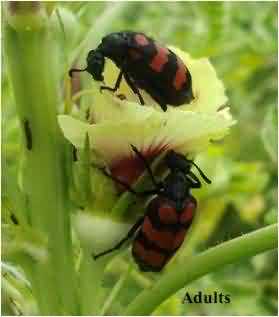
pixel 32 72
pixel 91 276
pixel 87 284
pixel 115 291
pixel 228 252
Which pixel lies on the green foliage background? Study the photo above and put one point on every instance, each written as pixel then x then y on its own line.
pixel 240 38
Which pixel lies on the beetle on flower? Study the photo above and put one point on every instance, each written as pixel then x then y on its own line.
pixel 115 123
pixel 145 65
pixel 162 229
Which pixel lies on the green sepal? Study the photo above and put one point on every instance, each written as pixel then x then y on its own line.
pixel 92 189
pixel 82 174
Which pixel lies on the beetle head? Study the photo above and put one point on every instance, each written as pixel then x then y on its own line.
pixel 178 162
pixel 95 65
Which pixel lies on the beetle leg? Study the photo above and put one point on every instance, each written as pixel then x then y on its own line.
pixel 157 98
pixel 127 186
pixel 117 83
pixel 146 164
pixel 164 107
pixel 129 235
pixel 195 182
pixel 134 88
pixel 205 178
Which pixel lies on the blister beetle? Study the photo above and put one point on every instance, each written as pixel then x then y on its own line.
pixel 145 65
pixel 168 216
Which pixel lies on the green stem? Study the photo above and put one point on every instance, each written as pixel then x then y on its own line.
pixel 33 75
pixel 91 275
pixel 228 252
pixel 90 282
pixel 115 291
pixel 118 266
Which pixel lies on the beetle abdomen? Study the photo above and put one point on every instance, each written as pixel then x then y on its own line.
pixel 162 233
pixel 158 71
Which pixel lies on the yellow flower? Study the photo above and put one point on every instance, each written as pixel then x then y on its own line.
pixel 186 132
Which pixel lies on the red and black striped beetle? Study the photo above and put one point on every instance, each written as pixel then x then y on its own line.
pixel 162 229
pixel 145 65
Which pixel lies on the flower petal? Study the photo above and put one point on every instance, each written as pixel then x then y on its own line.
pixel 98 233
pixel 177 129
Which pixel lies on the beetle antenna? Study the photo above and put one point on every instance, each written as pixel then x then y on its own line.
pixel 206 179
pixel 71 71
